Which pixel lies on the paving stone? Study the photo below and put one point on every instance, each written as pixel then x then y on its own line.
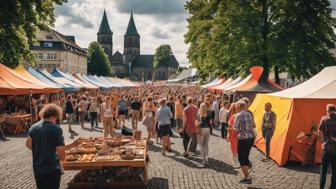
pixel 171 171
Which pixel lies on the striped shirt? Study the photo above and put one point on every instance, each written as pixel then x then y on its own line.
pixel 244 124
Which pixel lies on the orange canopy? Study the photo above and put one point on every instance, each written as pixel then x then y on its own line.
pixel 19 84
pixel 299 110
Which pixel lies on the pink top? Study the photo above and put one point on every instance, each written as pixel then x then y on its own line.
pixel 191 116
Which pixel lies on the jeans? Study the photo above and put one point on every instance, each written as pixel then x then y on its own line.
pixel 267 134
pixel 69 120
pixel 185 140
pixel 179 122
pixel 192 145
pixel 49 181
pixel 224 129
pixel 93 116
pixel 327 159
pixel 203 142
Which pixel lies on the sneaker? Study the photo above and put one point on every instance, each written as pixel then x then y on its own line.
pixel 266 159
pixel 246 181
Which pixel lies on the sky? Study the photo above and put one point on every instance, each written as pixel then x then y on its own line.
pixel 157 21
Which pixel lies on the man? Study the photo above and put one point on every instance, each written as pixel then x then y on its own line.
pixel 163 118
pixel 327 130
pixel 244 125
pixel 268 127
pixel 135 111
pixel 122 111
pixel 47 144
pixel 189 127
pixel 69 111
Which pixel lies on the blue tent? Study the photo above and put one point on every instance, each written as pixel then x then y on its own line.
pixel 40 76
pixel 96 78
pixel 95 82
pixel 60 80
pixel 58 73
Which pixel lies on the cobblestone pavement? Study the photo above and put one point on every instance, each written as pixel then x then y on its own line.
pixel 173 171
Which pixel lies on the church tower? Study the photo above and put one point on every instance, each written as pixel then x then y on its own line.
pixel 131 40
pixel 104 37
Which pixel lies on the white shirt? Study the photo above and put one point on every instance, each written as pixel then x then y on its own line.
pixel 223 115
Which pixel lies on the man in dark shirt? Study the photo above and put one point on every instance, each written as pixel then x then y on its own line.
pixel 47 144
pixel 327 130
pixel 135 108
pixel 69 111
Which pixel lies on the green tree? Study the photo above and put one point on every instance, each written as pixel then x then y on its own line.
pixel 19 22
pixel 231 36
pixel 98 63
pixel 161 57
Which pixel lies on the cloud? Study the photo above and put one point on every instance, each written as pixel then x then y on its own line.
pixel 82 18
pixel 160 34
pixel 71 17
pixel 151 7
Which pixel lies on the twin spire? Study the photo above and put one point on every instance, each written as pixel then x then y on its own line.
pixel 131 30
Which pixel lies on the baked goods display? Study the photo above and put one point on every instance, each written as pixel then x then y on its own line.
pixel 110 149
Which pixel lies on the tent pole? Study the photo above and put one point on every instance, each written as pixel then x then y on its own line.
pixel 30 106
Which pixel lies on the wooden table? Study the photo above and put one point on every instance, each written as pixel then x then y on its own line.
pixel 98 165
pixel 16 124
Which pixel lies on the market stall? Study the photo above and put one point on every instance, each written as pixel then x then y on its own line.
pixel 105 163
pixel 16 123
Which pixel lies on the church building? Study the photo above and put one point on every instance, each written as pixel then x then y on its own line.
pixel 131 63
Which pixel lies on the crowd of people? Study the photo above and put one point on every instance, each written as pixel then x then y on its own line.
pixel 190 112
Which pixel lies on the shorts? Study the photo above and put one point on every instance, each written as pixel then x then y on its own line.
pixel 164 130
pixel 122 112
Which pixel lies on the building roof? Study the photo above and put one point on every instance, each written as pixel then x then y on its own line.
pixel 117 56
pixel 146 61
pixel 68 42
pixel 131 28
pixel 104 27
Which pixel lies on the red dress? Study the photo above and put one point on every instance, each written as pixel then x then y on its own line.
pixel 233 136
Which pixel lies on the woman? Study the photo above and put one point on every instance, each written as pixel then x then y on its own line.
pixel 82 111
pixel 93 112
pixel 203 127
pixel 108 114
pixel 232 134
pixel 149 119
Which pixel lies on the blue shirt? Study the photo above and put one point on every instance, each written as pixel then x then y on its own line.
pixel 46 136
pixel 164 115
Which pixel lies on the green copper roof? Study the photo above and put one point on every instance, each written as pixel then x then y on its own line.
pixel 131 29
pixel 104 27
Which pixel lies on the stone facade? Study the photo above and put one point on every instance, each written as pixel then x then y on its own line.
pixel 131 63
pixel 57 51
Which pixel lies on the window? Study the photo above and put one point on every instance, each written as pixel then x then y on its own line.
pixel 40 56
pixel 48 44
pixel 51 56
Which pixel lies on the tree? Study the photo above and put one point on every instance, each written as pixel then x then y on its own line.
pixel 20 20
pixel 231 36
pixel 161 57
pixel 98 63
